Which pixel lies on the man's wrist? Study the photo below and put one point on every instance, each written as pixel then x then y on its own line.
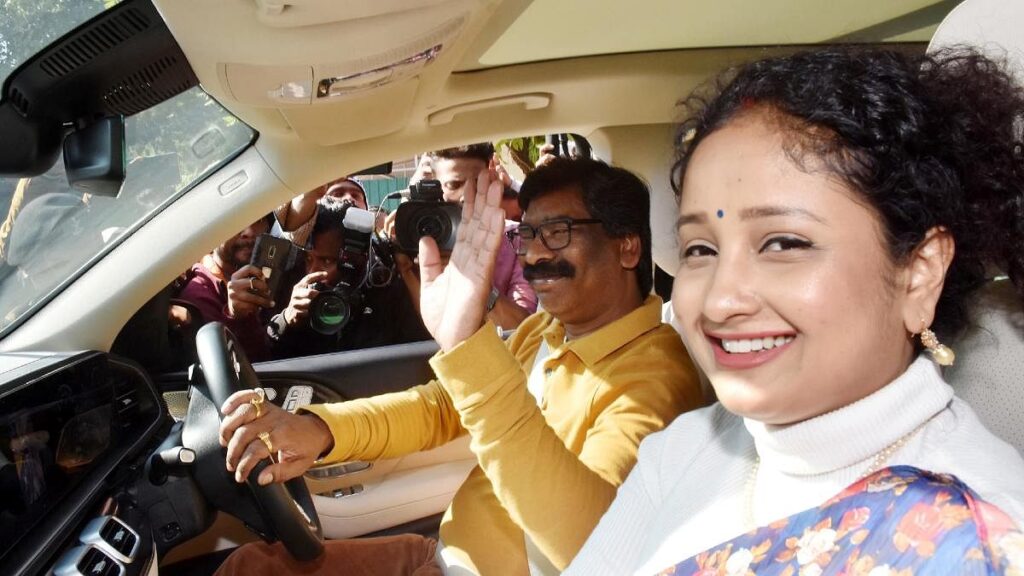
pixel 326 439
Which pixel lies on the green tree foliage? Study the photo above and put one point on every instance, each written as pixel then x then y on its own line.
pixel 177 128
pixel 184 126
pixel 524 151
pixel 28 25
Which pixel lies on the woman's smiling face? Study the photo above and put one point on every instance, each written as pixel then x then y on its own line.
pixel 786 293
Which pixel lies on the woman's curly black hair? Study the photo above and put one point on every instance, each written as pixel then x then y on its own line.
pixel 929 141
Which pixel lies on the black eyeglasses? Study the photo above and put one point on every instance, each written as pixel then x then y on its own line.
pixel 555 234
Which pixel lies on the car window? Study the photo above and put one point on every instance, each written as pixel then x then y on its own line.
pixel 50 233
pixel 353 243
pixel 28 26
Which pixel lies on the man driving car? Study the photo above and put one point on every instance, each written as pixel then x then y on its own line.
pixel 555 414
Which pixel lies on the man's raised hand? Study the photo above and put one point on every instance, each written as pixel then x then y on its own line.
pixel 453 298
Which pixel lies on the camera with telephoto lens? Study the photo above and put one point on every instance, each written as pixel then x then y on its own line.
pixel 333 307
pixel 427 214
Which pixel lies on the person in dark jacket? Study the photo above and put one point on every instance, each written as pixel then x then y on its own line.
pixel 381 312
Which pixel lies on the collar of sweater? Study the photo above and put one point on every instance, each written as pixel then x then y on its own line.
pixel 857 432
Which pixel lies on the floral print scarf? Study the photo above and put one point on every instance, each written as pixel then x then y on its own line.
pixel 899 521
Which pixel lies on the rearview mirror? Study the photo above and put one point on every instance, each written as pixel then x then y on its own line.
pixel 94 157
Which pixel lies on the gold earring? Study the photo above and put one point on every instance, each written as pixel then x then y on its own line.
pixel 942 353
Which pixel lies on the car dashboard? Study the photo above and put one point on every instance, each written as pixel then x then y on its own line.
pixel 75 432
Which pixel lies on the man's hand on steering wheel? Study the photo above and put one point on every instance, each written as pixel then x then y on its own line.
pixel 254 429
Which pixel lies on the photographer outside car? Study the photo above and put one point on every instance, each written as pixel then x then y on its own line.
pixel 349 298
pixel 512 298
pixel 295 219
pixel 207 286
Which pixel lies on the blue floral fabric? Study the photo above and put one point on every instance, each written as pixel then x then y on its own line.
pixel 899 521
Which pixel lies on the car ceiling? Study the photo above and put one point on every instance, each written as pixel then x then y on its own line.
pixel 507 67
pixel 245 50
pixel 610 70
pixel 571 28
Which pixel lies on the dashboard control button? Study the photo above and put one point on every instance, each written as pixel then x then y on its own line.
pixel 170 531
pixel 88 560
pixel 113 536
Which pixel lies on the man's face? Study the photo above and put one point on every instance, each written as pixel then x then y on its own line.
pixel 237 250
pixel 348 191
pixel 323 256
pixel 456 174
pixel 510 204
pixel 581 283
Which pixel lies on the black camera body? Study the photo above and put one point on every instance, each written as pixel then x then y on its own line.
pixel 333 308
pixel 427 214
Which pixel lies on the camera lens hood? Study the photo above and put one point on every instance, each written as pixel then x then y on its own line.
pixel 329 312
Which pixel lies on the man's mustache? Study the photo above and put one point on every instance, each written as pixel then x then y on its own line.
pixel 548 270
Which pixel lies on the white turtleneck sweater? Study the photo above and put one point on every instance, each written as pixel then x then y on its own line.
pixel 689 489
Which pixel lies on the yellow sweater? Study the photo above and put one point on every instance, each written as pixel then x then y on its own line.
pixel 552 470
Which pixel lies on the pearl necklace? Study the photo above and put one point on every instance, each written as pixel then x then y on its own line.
pixel 879 460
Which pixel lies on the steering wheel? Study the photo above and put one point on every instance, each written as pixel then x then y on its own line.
pixel 285 511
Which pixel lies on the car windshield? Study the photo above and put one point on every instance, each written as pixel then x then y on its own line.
pixel 49 233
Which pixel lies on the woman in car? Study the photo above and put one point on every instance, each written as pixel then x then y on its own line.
pixel 836 211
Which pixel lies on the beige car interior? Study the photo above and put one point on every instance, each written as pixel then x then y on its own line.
pixel 624 105
pixel 333 87
pixel 498 73
pixel 989 371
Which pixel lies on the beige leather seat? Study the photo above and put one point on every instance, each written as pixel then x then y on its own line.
pixel 989 371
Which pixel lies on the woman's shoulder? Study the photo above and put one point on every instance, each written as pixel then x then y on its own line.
pixel 710 420
pixel 715 419
pixel 964 447
pixel 966 434
pixel 709 431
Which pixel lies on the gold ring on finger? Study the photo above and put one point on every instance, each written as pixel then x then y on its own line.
pixel 257 400
pixel 265 437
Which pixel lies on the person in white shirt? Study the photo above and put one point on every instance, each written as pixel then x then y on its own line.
pixel 837 208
